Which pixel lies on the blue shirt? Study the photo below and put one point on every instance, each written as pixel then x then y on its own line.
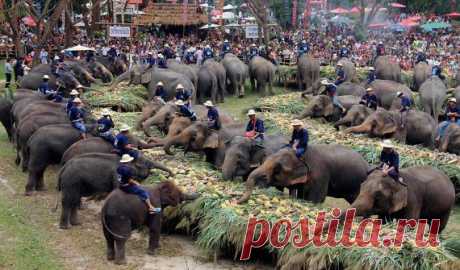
pixel 257 126
pixel 226 47
pixel 436 71
pixel 160 92
pixel 75 114
pixel 121 141
pixel 253 52
pixel 184 110
pixel 208 53
pixel 391 159
pixel 105 124
pixel 189 57
pixel 405 103
pixel 162 63
pixel 343 52
pixel 301 136
pixel 371 77
pixel 125 173
pixel 421 57
pixel 340 74
pixel 168 53
pixel 331 89
pixel 151 61
pixel 112 52
pixel 370 100
pixel 213 115
pixel 183 95
pixel 450 110
pixel 303 48
pixel 69 104
pixel 44 88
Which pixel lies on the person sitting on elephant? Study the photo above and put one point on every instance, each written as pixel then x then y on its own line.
pixel 168 52
pixel 185 110
pixel 452 115
pixel 405 107
pixel 253 51
pixel 160 93
pixel 129 185
pixel 255 128
pixel 207 53
pixel 122 144
pixel 331 91
pixel 213 116
pixel 341 77
pixel 150 60
pixel 73 94
pixel 421 57
pixel 436 70
pixel 389 162
pixel 89 56
pixel 225 48
pixel 76 117
pixel 105 125
pixel 45 89
pixel 299 139
pixel 184 95
pixel 380 49
pixel 302 48
pixel 162 61
pixel 369 99
pixel 344 52
pixel 371 76
pixel 189 57
pixel 112 53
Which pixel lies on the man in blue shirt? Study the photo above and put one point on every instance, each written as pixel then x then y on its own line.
pixel 112 53
pixel 213 116
pixel 405 107
pixel 331 91
pixel 253 51
pixel 380 49
pixel 371 76
pixel 207 53
pixel 255 128
pixel 105 125
pixel 45 89
pixel 389 162
pixel 122 144
pixel 189 57
pixel 162 61
pixel 369 99
pixel 76 117
pixel 225 48
pixel 184 110
pixel 421 57
pixel 129 185
pixel 160 92
pixel 344 52
pixel 73 94
pixel 452 116
pixel 340 74
pixel 184 95
pixel 299 139
pixel 168 52
pixel 302 48
pixel 436 70
pixel 150 60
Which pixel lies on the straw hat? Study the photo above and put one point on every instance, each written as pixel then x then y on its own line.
pixel 324 82
pixel 125 127
pixel 77 100
pixel 296 122
pixel 79 86
pixel 126 158
pixel 160 84
pixel 371 68
pixel 106 112
pixel 387 144
pixel 454 100
pixel 179 102
pixel 399 93
pixel 208 104
pixel 74 93
pixel 369 89
pixel 46 77
pixel 179 86
pixel 251 112
pixel 339 64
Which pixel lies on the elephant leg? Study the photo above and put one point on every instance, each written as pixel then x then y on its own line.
pixel 120 257
pixel 110 244
pixel 18 158
pixel 253 84
pixel 40 181
pixel 65 218
pixel 317 191
pixel 74 221
pixel 214 95
pixel 154 231
pixel 443 221
pixel 31 183
pixel 270 88
pixel 241 86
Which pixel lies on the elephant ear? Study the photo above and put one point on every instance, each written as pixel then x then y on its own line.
pixel 399 199
pixel 212 141
pixel 146 77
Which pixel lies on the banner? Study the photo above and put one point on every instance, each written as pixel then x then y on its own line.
pixel 119 31
pixel 252 31
pixel 294 13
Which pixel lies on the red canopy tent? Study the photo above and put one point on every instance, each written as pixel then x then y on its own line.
pixel 355 10
pixel 408 23
pixel 397 5
pixel 29 21
pixel 414 18
pixel 134 2
pixel 453 14
pixel 340 11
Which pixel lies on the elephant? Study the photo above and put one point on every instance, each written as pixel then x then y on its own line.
pixel 350 70
pixel 422 71
pixel 117 66
pixel 22 93
pixel 237 73
pixel 386 90
pixel 262 72
pixel 429 195
pixel 25 107
pixel 450 142
pixel 420 127
pixel 198 138
pixel 5 116
pixel 243 154
pixel 327 170
pixel 433 93
pixel 355 116
pixel 83 75
pixel 219 71
pixel 94 174
pixel 321 106
pixel 99 71
pixel 148 110
pixel 170 79
pixel 133 75
pixel 344 89
pixel 386 69
pixel 33 80
pixel 307 71
pixel 46 146
pixel 122 212
pixel 207 86
pixel 187 70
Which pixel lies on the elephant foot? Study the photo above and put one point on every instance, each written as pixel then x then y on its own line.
pixel 17 161
pixel 120 261
pixel 241 96
pixel 41 188
pixel 110 255
pixel 64 226
pixel 29 193
pixel 75 222
pixel 151 251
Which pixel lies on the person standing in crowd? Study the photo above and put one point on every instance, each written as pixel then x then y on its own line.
pixel 150 59
pixel 344 52
pixel 162 61
pixel 253 51
pixel 255 128
pixel 369 99
pixel 168 52
pixel 299 138
pixel 225 48
pixel 43 56
pixel 436 70
pixel 199 55
pixel 112 53
pixel 302 48
pixel 18 69
pixel 213 116
pixel 405 107
pixel 421 57
pixel 89 56
pixel 208 53
pixel 189 57
pixel 8 72
pixel 380 50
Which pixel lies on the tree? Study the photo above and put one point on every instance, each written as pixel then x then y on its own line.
pixel 11 11
pixel 259 8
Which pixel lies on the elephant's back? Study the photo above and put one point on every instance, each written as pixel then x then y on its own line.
pixel 338 156
pixel 88 146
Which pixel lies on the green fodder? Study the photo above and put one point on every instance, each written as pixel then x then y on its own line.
pixel 127 99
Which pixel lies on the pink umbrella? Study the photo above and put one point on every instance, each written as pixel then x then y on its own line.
pixel 408 23
pixel 397 5
pixel 414 18
pixel 340 11
pixel 453 14
pixel 355 10
pixel 29 21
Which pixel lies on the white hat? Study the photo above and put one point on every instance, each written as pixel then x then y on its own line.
pixel 369 89
pixel 179 86
pixel 74 93
pixel 79 86
pixel 340 64
pixel 251 112
pixel 106 112
pixel 46 76
pixel 125 127
pixel 76 100
pixel 126 158
pixel 324 82
pixel 160 84
pixel 371 68
pixel 179 102
pixel 380 42
pixel 226 40
pixel 253 45
pixel 207 47
pixel 167 45
pixel 160 55
pixel 296 122
pixel 150 53
pixel 454 100
pixel 399 93
pixel 208 103
pixel 387 144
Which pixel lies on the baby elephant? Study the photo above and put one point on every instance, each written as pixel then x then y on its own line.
pixel 123 212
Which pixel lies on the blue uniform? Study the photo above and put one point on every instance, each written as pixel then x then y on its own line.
pixel 213 118
pixel 76 118
pixel 105 125
pixel 151 61
pixel 380 50
pixel 112 53
pixel 162 63
pixel 371 77
pixel 405 103
pixel 121 144
pixel 161 92
pixel 253 51
pixel 331 90
pixel 69 104
pixel 226 48
pixel 436 71
pixel 391 160
pixel 303 48
pixel 344 52
pixel 183 95
pixel 207 54
pixel 369 100
pixel 168 53
pixel 126 173
pixel 340 76
pixel 186 112
pixel 449 120
pixel 300 138
pixel 256 125
pixel 44 88
pixel 421 57
pixel 189 57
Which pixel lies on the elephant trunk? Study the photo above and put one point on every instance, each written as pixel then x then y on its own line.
pixel 365 127
pixel 152 121
pixel 191 196
pixel 176 140
pixel 308 112
pixel 227 170
pixel 123 77
pixel 250 183
pixel 157 165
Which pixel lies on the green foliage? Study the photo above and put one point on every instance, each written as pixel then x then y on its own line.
pixel 437 7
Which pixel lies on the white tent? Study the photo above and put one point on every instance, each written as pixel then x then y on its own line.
pixel 229 7
pixel 232 25
pixel 78 48
pixel 209 26
pixel 228 15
